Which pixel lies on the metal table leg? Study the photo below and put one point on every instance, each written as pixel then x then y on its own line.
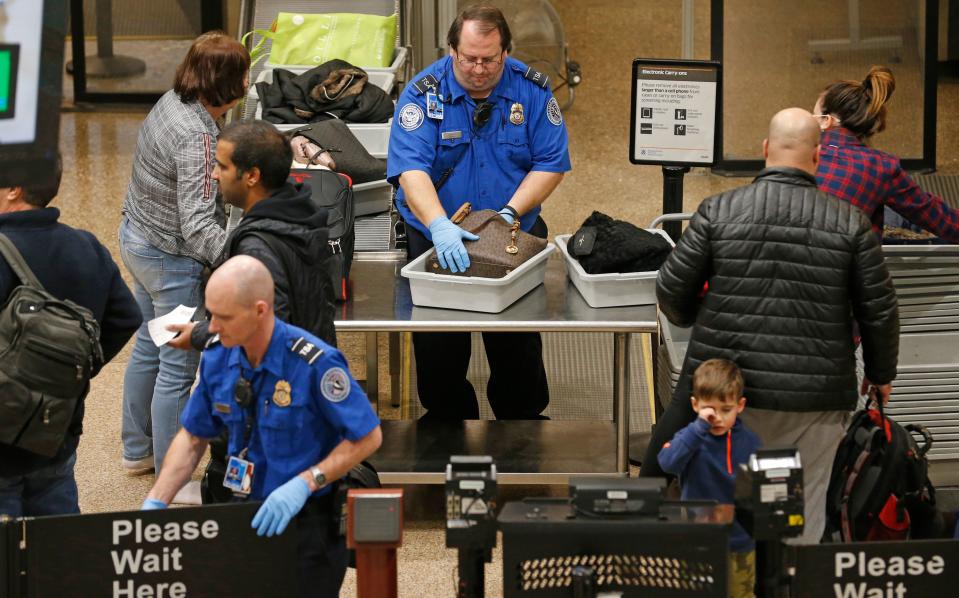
pixel 372 370
pixel 395 369
pixel 621 399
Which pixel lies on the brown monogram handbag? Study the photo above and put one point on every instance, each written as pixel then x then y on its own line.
pixel 501 247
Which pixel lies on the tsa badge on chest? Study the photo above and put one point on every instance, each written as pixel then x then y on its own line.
pixel 281 394
pixel 516 115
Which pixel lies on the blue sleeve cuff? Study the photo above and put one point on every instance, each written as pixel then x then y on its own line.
pixel 362 428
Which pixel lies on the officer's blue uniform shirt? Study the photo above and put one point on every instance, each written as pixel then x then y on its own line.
pixel 496 158
pixel 294 431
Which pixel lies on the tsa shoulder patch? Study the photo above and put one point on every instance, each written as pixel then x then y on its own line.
pixel 553 113
pixel 335 384
pixel 306 350
pixel 537 77
pixel 411 117
pixel 425 84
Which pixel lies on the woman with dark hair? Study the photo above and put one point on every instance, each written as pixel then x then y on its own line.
pixel 173 226
pixel 849 113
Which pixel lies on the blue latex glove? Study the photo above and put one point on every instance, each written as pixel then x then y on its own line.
pixel 448 240
pixel 152 504
pixel 280 506
pixel 507 216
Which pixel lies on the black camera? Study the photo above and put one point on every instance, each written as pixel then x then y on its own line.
pixel 471 503
pixel 769 494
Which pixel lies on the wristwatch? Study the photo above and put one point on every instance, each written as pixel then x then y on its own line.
pixel 319 478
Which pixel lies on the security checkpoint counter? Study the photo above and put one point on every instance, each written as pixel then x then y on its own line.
pixel 550 546
pixel 525 452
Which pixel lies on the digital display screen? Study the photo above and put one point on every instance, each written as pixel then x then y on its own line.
pixel 777 463
pixel 32 36
pixel 8 79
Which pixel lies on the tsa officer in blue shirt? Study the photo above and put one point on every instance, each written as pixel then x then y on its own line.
pixel 481 127
pixel 298 421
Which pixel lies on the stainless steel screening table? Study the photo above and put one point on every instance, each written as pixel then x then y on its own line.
pixel 541 452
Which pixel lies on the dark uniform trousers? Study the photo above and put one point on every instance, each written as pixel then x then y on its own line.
pixel 517 387
pixel 322 556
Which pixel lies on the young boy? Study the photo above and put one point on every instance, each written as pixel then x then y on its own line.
pixel 706 454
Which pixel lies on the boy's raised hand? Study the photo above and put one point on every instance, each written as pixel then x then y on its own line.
pixel 709 415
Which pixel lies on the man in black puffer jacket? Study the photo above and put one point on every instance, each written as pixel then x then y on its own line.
pixel 791 271
pixel 281 227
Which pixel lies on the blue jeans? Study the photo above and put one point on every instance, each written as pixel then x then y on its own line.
pixel 157 381
pixel 50 490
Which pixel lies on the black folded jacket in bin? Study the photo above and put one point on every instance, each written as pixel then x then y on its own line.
pixel 332 90
pixel 604 245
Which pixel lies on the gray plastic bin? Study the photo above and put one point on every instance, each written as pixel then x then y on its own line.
pixel 372 198
pixel 489 295
pixel 611 290
pixel 399 59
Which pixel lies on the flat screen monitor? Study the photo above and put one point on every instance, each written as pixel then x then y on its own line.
pixel 31 79
pixel 9 61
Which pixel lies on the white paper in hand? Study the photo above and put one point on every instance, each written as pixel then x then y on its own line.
pixel 157 326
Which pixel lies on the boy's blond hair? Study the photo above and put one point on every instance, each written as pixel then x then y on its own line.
pixel 718 379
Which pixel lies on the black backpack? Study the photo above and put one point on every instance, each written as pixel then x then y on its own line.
pixel 879 488
pixel 333 192
pixel 49 350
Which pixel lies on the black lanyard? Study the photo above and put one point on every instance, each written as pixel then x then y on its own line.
pixel 246 396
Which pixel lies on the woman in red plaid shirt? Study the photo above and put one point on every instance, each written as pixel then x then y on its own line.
pixel 849 113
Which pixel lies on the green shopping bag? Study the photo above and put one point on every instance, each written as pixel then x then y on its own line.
pixel 312 39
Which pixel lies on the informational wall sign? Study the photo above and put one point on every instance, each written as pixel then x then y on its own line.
pixel 171 553
pixel 914 569
pixel 675 112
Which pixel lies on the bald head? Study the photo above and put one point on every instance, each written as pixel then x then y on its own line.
pixel 793 140
pixel 243 280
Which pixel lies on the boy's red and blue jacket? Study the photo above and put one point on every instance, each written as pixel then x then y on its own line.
pixel 707 464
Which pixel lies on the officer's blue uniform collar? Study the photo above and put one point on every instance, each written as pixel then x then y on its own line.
pixel 456 90
pixel 273 360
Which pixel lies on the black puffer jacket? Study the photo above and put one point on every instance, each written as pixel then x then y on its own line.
pixel 789 268
pixel 288 233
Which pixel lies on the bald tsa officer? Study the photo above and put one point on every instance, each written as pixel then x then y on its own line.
pixel 476 126
pixel 298 421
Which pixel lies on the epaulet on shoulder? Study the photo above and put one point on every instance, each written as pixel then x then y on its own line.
pixel 306 350
pixel 425 83
pixel 536 77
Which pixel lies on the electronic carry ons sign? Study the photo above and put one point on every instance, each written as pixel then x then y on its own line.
pixel 675 112
pixel 170 553
pixel 911 569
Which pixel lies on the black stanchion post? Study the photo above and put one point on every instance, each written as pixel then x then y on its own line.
pixel 769 567
pixel 673 198
pixel 472 571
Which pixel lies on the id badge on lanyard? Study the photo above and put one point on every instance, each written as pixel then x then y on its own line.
pixel 239 471
pixel 434 106
pixel 239 476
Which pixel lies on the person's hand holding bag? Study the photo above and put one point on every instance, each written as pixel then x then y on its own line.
pixel 448 240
